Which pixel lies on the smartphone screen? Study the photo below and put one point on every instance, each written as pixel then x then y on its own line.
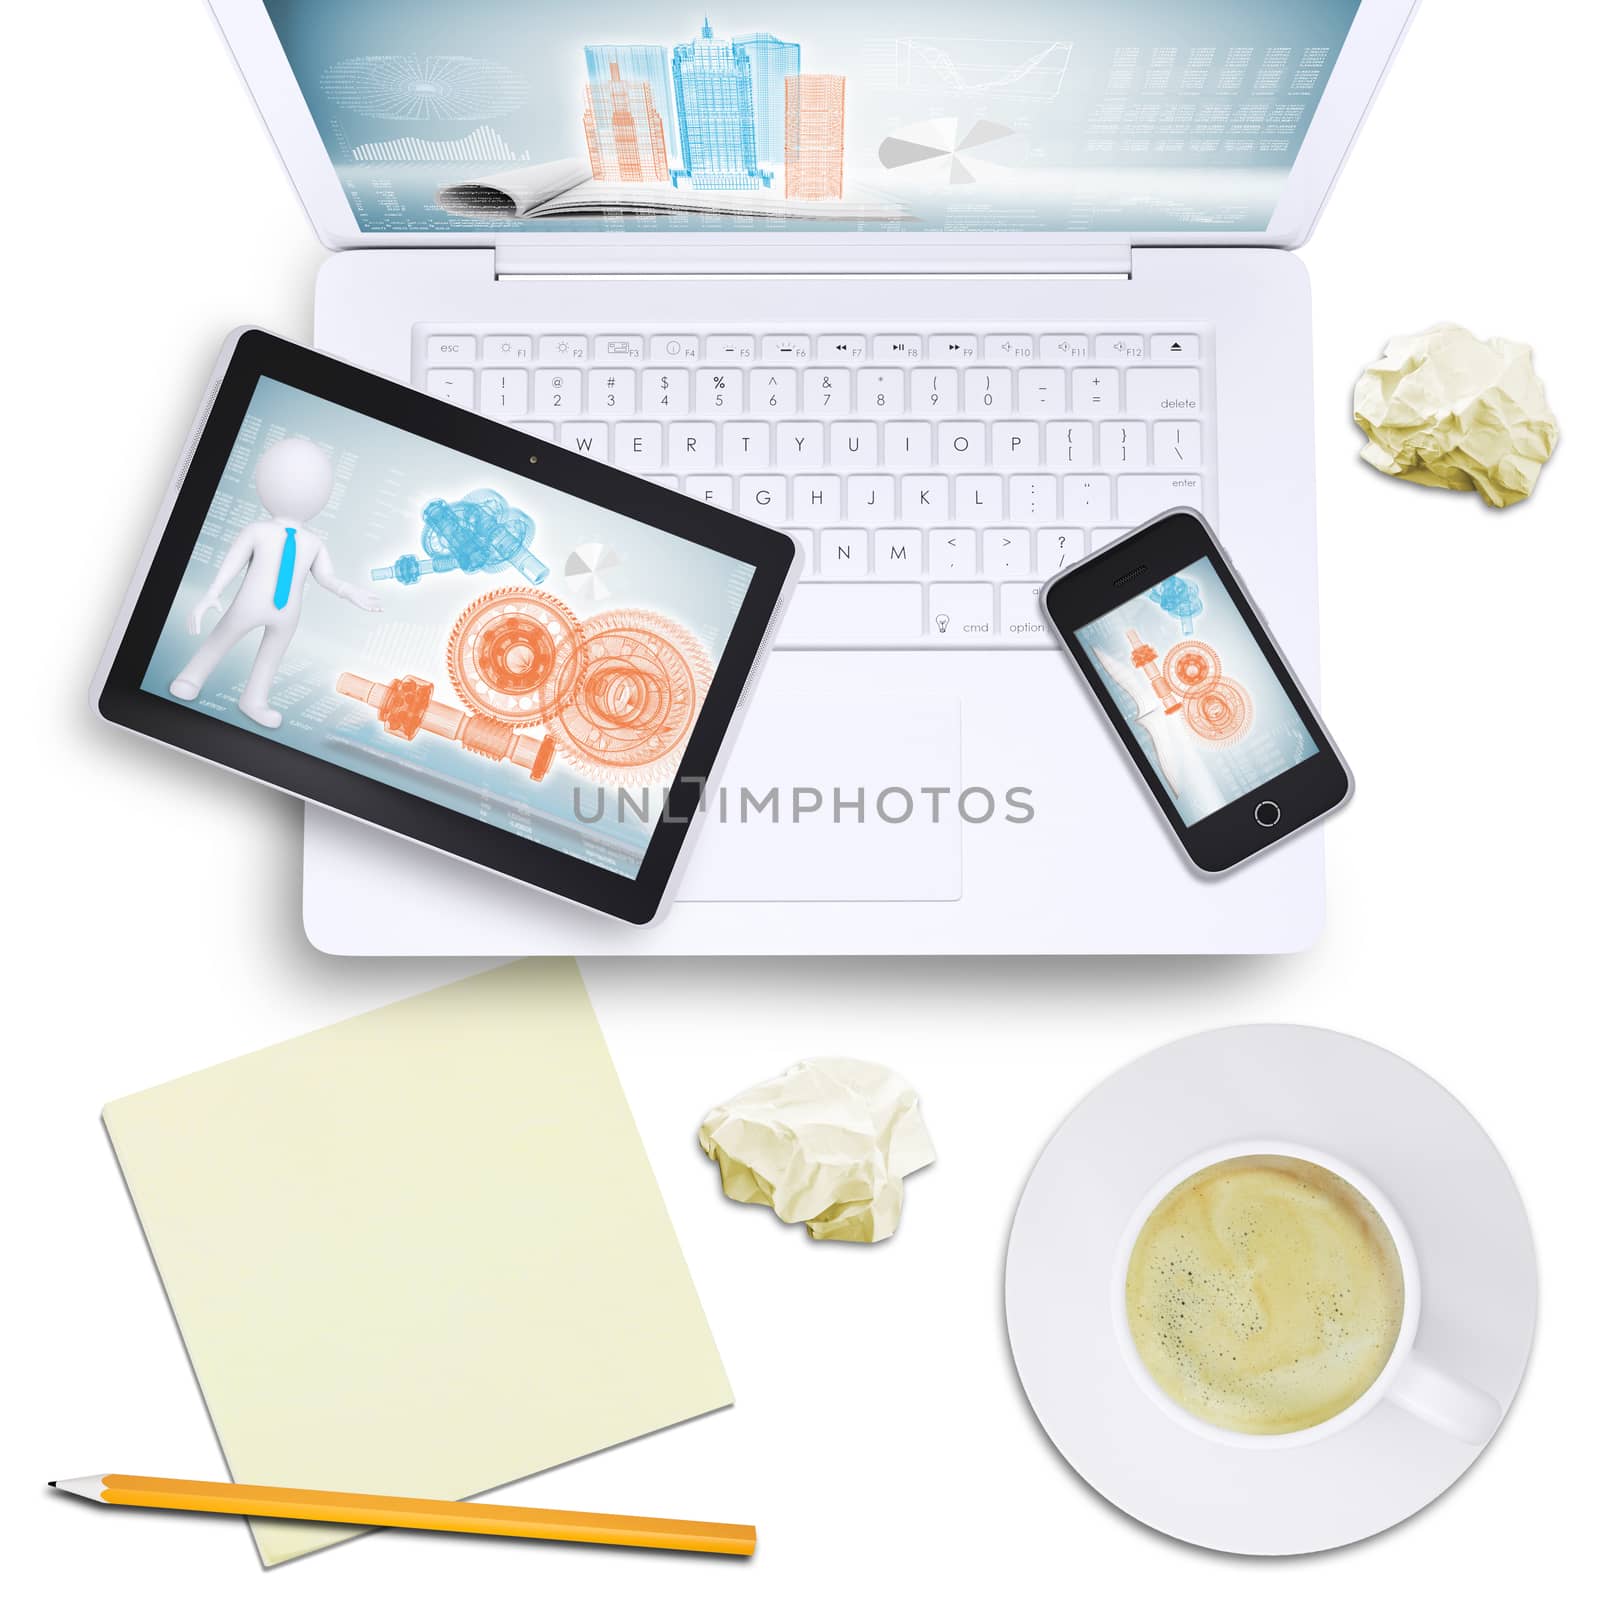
pixel 1194 686
pixel 1197 691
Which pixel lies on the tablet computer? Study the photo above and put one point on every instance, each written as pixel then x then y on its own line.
pixel 444 626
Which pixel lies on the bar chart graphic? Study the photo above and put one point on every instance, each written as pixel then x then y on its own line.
pixel 482 144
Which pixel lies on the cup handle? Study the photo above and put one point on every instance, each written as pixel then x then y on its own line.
pixel 1456 1408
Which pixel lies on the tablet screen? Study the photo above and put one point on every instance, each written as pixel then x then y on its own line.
pixel 404 611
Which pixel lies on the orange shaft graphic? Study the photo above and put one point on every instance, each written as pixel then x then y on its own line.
pixel 1144 656
pixel 407 704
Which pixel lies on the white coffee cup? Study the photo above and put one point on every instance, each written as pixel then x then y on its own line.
pixel 1407 1380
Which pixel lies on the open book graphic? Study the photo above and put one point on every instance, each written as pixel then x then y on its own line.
pixel 565 189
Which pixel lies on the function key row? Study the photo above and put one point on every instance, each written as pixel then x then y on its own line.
pixel 957 349
pixel 512 393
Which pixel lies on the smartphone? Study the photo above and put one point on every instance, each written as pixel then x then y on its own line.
pixel 1194 685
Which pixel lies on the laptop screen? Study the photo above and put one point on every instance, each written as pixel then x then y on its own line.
pixel 1116 116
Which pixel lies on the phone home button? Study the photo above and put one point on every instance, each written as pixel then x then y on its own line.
pixel 1268 814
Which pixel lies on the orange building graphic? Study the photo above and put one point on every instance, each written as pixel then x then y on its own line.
pixel 622 128
pixel 813 136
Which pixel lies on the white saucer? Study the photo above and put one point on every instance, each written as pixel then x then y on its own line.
pixel 1294 1085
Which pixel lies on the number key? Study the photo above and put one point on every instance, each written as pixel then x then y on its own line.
pixel 504 393
pixel 827 389
pixel 935 389
pixel 557 390
pixel 666 391
pixel 774 390
pixel 613 389
pixel 719 389
pixel 881 391
pixel 988 389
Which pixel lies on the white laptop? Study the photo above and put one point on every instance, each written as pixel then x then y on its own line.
pixel 954 300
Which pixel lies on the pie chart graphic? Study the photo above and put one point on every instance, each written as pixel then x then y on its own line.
pixel 585 570
pixel 947 150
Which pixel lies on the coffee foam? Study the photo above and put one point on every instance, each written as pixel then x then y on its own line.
pixel 1264 1294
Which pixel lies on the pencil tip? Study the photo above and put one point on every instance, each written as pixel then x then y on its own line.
pixel 51 1484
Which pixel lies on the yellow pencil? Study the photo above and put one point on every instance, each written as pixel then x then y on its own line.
pixel 392 1511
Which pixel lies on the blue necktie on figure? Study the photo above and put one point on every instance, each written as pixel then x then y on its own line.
pixel 280 595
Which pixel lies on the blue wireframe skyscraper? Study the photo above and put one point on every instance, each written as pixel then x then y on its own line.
pixel 711 80
pixel 641 63
pixel 771 61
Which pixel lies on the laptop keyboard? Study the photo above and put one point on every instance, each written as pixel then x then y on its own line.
pixel 933 480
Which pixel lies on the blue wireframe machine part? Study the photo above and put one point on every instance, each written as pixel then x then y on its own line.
pixel 477 533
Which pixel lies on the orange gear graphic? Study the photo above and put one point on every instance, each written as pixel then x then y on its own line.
pixel 402 709
pixel 1220 712
pixel 516 654
pixel 640 684
pixel 1191 667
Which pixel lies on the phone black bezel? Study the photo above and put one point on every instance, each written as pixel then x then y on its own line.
pixel 124 700
pixel 1112 576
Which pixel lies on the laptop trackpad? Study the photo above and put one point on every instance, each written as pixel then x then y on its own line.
pixel 836 802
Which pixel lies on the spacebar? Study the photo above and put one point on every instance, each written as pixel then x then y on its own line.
pixel 823 614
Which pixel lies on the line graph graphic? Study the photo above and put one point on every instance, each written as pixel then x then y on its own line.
pixel 1025 69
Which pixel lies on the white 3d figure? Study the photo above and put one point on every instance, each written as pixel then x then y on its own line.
pixel 295 481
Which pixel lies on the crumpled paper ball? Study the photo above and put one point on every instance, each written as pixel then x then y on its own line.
pixel 826 1143
pixel 1453 411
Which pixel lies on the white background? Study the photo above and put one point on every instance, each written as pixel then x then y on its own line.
pixel 879 1441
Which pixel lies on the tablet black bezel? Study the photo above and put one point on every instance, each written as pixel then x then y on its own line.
pixel 123 699
pixel 1131 565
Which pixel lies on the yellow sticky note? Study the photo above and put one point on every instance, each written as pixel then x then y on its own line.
pixel 1452 411
pixel 420 1252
